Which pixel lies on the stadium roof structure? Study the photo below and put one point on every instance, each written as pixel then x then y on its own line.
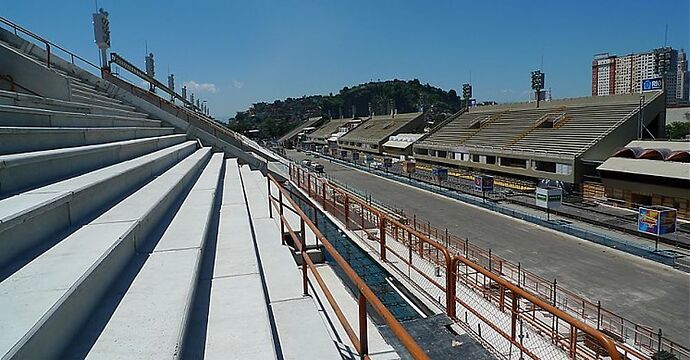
pixel 667 159
pixel 311 122
pixel 378 128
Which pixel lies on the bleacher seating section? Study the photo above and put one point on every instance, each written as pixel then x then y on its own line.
pixel 504 127
pixel 121 237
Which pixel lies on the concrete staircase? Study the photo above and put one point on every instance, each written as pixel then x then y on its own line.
pixel 122 238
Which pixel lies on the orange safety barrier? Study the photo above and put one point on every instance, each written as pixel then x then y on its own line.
pixel 366 296
pixel 470 294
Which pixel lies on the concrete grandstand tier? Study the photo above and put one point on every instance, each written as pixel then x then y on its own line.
pixel 26 139
pixel 305 127
pixel 35 216
pixel 157 301
pixel 373 132
pixel 27 170
pixel 321 135
pixel 39 102
pixel 43 308
pixel 21 116
pixel 301 331
pixel 552 141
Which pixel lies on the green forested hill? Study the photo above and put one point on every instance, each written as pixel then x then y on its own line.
pixel 277 118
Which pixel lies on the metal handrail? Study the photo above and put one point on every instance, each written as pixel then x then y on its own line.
pixel 481 255
pixel 604 341
pixel 366 296
pixel 48 44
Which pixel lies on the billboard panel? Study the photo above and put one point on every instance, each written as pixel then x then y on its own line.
pixel 440 173
pixel 656 220
pixel 652 84
pixel 548 197
pixel 484 183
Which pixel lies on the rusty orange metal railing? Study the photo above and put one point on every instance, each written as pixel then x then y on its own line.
pixel 366 296
pixel 486 298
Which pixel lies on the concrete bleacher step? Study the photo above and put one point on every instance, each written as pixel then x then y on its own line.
pixel 94 95
pixel 159 298
pixel 45 303
pixel 25 116
pixel 108 102
pixel 79 84
pixel 31 169
pixel 301 330
pixel 30 219
pixel 25 139
pixel 39 102
pixel 237 320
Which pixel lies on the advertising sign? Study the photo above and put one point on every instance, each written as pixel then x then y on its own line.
pixel 656 220
pixel 355 155
pixel 484 183
pixel 548 197
pixel 409 167
pixel 652 84
pixel 440 173
pixel 387 162
pixel 343 153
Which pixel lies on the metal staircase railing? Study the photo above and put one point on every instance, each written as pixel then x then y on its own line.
pixel 49 45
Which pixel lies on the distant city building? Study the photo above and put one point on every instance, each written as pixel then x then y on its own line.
pixel 613 75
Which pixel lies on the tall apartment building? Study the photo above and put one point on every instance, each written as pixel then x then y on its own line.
pixel 613 74
pixel 683 80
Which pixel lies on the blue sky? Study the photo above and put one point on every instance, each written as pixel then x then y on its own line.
pixel 239 52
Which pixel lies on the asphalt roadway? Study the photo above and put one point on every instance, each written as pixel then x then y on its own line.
pixel 640 290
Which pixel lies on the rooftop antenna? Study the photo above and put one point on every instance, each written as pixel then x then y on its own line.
pixel 666 36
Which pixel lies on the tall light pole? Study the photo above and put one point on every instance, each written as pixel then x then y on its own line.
pixel 467 94
pixel 101 33
pixel 537 78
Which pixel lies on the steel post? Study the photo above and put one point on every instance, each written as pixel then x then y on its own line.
pixel 363 336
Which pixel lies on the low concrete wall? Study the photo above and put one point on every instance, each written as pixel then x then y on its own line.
pixel 32 75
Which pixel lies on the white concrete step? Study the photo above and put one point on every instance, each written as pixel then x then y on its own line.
pixel 25 139
pixel 43 304
pixel 111 103
pixel 159 299
pixel 27 170
pixel 33 218
pixel 39 102
pixel 80 84
pixel 95 95
pixel 301 330
pixel 238 323
pixel 25 116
